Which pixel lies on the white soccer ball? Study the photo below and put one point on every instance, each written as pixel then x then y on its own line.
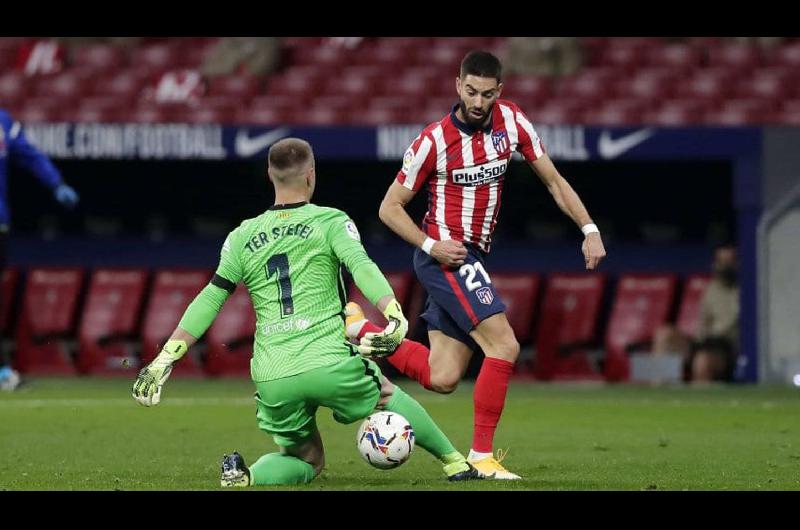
pixel 385 440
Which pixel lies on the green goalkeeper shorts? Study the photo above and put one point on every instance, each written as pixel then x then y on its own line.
pixel 286 407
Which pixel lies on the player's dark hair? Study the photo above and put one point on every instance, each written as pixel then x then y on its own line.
pixel 481 64
pixel 289 153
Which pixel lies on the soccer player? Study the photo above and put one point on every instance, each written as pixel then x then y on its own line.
pixel 463 158
pixel 290 258
pixel 15 149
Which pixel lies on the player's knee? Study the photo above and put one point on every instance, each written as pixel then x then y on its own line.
pixel 507 349
pixel 445 383
pixel 318 464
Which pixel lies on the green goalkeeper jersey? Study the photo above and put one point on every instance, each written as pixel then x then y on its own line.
pixel 290 258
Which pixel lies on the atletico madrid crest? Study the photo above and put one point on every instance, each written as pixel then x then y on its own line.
pixel 500 141
pixel 484 295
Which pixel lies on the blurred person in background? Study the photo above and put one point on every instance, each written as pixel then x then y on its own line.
pixel 711 354
pixel 258 56
pixel 547 56
pixel 15 150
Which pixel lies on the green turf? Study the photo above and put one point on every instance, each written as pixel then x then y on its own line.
pixel 78 434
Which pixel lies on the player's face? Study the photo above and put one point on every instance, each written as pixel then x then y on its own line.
pixel 478 95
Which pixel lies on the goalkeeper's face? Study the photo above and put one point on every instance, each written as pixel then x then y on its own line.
pixel 478 95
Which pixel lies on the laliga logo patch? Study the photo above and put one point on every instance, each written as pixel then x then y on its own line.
pixel 407 159
pixel 484 295
pixel 500 142
pixel 352 231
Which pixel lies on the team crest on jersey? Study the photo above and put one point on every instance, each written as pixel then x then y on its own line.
pixel 485 295
pixel 500 142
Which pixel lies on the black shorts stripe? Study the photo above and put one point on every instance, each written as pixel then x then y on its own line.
pixel 222 283
pixel 369 371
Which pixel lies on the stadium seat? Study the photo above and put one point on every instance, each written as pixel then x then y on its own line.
pixel 612 115
pixel 14 87
pixel 41 110
pixel 157 57
pixel 589 85
pixel 219 114
pixel 786 117
pixel 47 321
pixel 258 115
pixel 230 337
pixel 529 88
pixel 242 87
pixel 520 292
pixel 785 55
pixel 568 326
pixel 100 58
pixel 652 84
pixel 401 283
pixel 736 56
pixel 299 82
pixel 171 293
pixel 318 116
pixel 624 58
pixel 707 84
pixel 8 288
pixel 150 113
pixel 689 312
pixel 642 303
pixel 378 116
pixel 557 112
pixel 678 112
pixel 678 56
pixel 110 320
pixel 64 86
pixel 126 84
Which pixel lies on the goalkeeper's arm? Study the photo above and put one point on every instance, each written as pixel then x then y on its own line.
pixel 196 320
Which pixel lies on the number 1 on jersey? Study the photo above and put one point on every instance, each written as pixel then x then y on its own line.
pixel 279 264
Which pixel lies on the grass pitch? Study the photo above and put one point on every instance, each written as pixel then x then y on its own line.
pixel 89 434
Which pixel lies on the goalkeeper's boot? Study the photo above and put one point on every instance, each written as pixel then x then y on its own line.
pixel 458 471
pixel 9 379
pixel 492 468
pixel 354 321
pixel 234 472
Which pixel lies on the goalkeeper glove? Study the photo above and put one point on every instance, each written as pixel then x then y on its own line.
pixel 387 341
pixel 147 387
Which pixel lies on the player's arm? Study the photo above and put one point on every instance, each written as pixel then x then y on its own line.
pixel 345 242
pixel 197 318
pixel 419 164
pixel 567 199
pixel 25 155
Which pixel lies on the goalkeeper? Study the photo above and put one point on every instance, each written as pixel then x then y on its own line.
pixel 290 258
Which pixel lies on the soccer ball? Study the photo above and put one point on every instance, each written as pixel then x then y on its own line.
pixel 385 440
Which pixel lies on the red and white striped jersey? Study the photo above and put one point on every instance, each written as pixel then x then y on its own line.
pixel 465 168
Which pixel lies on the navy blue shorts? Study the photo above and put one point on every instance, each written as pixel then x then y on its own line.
pixel 458 298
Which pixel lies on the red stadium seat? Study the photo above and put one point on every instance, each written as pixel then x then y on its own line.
pixel 529 88
pixel 67 85
pixel 786 55
pixel 741 57
pixel 230 337
pixel 110 321
pixel 678 112
pixel 239 86
pixel 157 57
pixel 265 116
pixel 612 115
pixel 624 58
pixel 652 84
pixel 353 87
pixel 711 85
pixel 150 113
pixel 41 110
pixel 89 114
pixel 401 285
pixel 519 291
pixel 126 84
pixel 301 83
pixel 642 303
pixel 337 102
pixel 765 85
pixel 786 117
pixel 395 103
pixel 689 311
pixel 100 58
pixel 14 87
pixel 558 112
pixel 49 307
pixel 378 116
pixel 568 325
pixel 590 85
pixel 170 295
pixel 210 115
pixel 8 288
pixel 679 56
pixel 324 54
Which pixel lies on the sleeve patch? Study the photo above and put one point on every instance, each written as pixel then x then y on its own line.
pixel 352 231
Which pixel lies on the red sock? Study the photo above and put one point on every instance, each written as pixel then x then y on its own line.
pixel 410 358
pixel 489 398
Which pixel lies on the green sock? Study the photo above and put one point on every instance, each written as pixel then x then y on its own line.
pixel 428 435
pixel 275 468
